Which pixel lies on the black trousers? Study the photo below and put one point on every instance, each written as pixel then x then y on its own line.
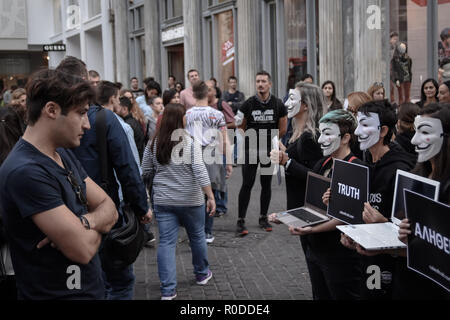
pixel 8 290
pixel 249 176
pixel 334 276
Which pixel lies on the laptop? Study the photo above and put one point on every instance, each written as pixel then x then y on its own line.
pixel 314 211
pixel 384 236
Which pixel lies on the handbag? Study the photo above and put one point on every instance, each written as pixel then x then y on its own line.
pixel 122 245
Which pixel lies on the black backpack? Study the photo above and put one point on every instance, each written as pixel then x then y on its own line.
pixel 122 245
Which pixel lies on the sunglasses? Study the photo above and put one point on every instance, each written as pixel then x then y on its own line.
pixel 378 84
pixel 77 188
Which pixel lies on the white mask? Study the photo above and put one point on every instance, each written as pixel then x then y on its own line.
pixel 330 138
pixel 293 103
pixel 239 118
pixel 369 130
pixel 429 137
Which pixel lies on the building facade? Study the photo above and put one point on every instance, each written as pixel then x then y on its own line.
pixel 21 42
pixel 346 41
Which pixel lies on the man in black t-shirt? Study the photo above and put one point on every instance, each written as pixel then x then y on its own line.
pixel 54 214
pixel 265 117
pixel 135 90
pixel 233 96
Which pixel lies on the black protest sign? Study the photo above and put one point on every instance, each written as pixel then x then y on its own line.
pixel 349 192
pixel 429 243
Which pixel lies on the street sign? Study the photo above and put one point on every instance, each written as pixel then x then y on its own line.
pixel 54 47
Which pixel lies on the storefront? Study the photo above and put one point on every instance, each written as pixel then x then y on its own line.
pixel 346 41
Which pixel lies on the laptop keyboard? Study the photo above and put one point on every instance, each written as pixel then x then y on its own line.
pixel 305 216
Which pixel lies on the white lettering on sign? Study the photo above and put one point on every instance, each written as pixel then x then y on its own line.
pixel 172 34
pixel 348 191
pixel 432 237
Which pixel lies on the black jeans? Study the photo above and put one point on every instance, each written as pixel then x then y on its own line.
pixel 334 277
pixel 249 176
pixel 8 290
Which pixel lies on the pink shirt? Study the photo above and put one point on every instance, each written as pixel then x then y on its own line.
pixel 227 111
pixel 187 98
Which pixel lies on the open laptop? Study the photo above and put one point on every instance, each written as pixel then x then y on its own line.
pixel 384 236
pixel 314 211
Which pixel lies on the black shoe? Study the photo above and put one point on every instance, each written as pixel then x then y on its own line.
pixel 150 239
pixel 241 229
pixel 219 214
pixel 264 224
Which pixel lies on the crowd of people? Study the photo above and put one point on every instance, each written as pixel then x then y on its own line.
pixel 76 150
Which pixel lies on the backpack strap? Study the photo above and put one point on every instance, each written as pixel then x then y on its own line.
pixel 326 162
pixel 352 159
pixel 100 128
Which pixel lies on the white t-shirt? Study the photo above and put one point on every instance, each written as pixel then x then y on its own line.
pixel 205 124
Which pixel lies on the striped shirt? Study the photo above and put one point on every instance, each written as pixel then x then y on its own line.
pixel 180 182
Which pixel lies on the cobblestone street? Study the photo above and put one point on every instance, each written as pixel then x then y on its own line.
pixel 260 266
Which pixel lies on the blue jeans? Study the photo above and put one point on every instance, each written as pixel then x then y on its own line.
pixel 209 221
pixel 169 218
pixel 119 283
pixel 221 202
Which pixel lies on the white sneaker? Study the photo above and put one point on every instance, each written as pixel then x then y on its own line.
pixel 169 297
pixel 210 238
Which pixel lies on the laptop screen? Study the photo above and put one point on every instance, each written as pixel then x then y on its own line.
pixel 425 187
pixel 315 188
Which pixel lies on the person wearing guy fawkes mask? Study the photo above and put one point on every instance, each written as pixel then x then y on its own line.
pixel 376 124
pixel 432 142
pixel 335 271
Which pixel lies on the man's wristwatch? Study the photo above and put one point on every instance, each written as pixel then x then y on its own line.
pixel 85 222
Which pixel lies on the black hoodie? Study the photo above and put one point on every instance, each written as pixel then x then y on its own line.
pixel 381 187
pixel 382 177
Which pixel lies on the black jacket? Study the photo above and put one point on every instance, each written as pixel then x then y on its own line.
pixel 413 286
pixel 305 152
pixel 139 137
pixel 382 177
pixel 404 140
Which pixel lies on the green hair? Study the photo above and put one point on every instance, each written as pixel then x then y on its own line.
pixel 344 119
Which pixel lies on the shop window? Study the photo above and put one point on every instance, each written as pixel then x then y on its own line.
pixel 408 19
pixel 296 44
pixel 444 39
pixel 226 45
pixel 172 9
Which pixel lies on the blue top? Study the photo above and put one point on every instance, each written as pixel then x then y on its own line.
pixel 148 112
pixel 120 159
pixel 32 183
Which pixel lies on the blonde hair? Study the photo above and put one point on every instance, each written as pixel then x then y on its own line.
pixel 374 89
pixel 357 99
pixel 17 94
pixel 313 97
